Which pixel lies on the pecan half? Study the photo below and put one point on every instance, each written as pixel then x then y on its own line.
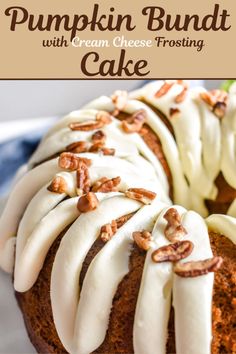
pixel 217 100
pixel 108 230
pixel 142 239
pixel 78 147
pixel 85 126
pixel 108 151
pixel 85 160
pixel 219 109
pixel 87 202
pixel 173 252
pixel 96 147
pixel 182 95
pixel 134 123
pixel 142 195
pixel 99 182
pixel 194 269
pixel 174 111
pixel 58 185
pixel 98 137
pixel 102 119
pixel 164 89
pixel 174 230
pixel 70 162
pixel 119 99
pixel 82 178
pixel 105 185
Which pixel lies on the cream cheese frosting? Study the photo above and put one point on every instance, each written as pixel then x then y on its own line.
pixel 192 297
pixel 93 312
pixel 202 146
pixel 72 251
pixel 154 300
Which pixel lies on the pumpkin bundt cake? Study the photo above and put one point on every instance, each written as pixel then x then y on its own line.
pixel 121 235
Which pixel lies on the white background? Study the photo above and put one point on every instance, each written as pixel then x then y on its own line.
pixel 30 99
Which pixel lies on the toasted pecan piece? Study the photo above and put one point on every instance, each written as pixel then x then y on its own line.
pixel 134 123
pixel 96 147
pixel 119 99
pixel 108 151
pixel 78 147
pixel 98 137
pixel 70 162
pixel 174 111
pixel 182 95
pixel 174 230
pixel 108 230
pixel 142 195
pixel 86 126
pixel 219 109
pixel 208 98
pixel 58 185
pixel 105 185
pixel 82 178
pixel 173 252
pixel 217 100
pixel 87 202
pixel 102 118
pixel 142 239
pixel 164 88
pixel 85 160
pixel 220 95
pixel 196 268
pixel 98 183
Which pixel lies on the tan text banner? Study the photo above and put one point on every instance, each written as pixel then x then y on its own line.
pixel 117 39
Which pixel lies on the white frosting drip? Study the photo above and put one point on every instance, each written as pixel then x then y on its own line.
pixel 211 138
pixel 228 163
pixel 198 204
pixel 32 256
pixel 41 204
pixel 20 196
pixel 154 300
pixel 192 297
pixel 69 259
pixel 103 277
pixel 223 224
pixel 188 132
pixel 181 191
pixel 7 255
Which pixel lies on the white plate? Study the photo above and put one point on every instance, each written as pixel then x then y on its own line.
pixel 13 336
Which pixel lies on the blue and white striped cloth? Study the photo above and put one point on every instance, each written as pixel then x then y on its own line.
pixel 18 140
